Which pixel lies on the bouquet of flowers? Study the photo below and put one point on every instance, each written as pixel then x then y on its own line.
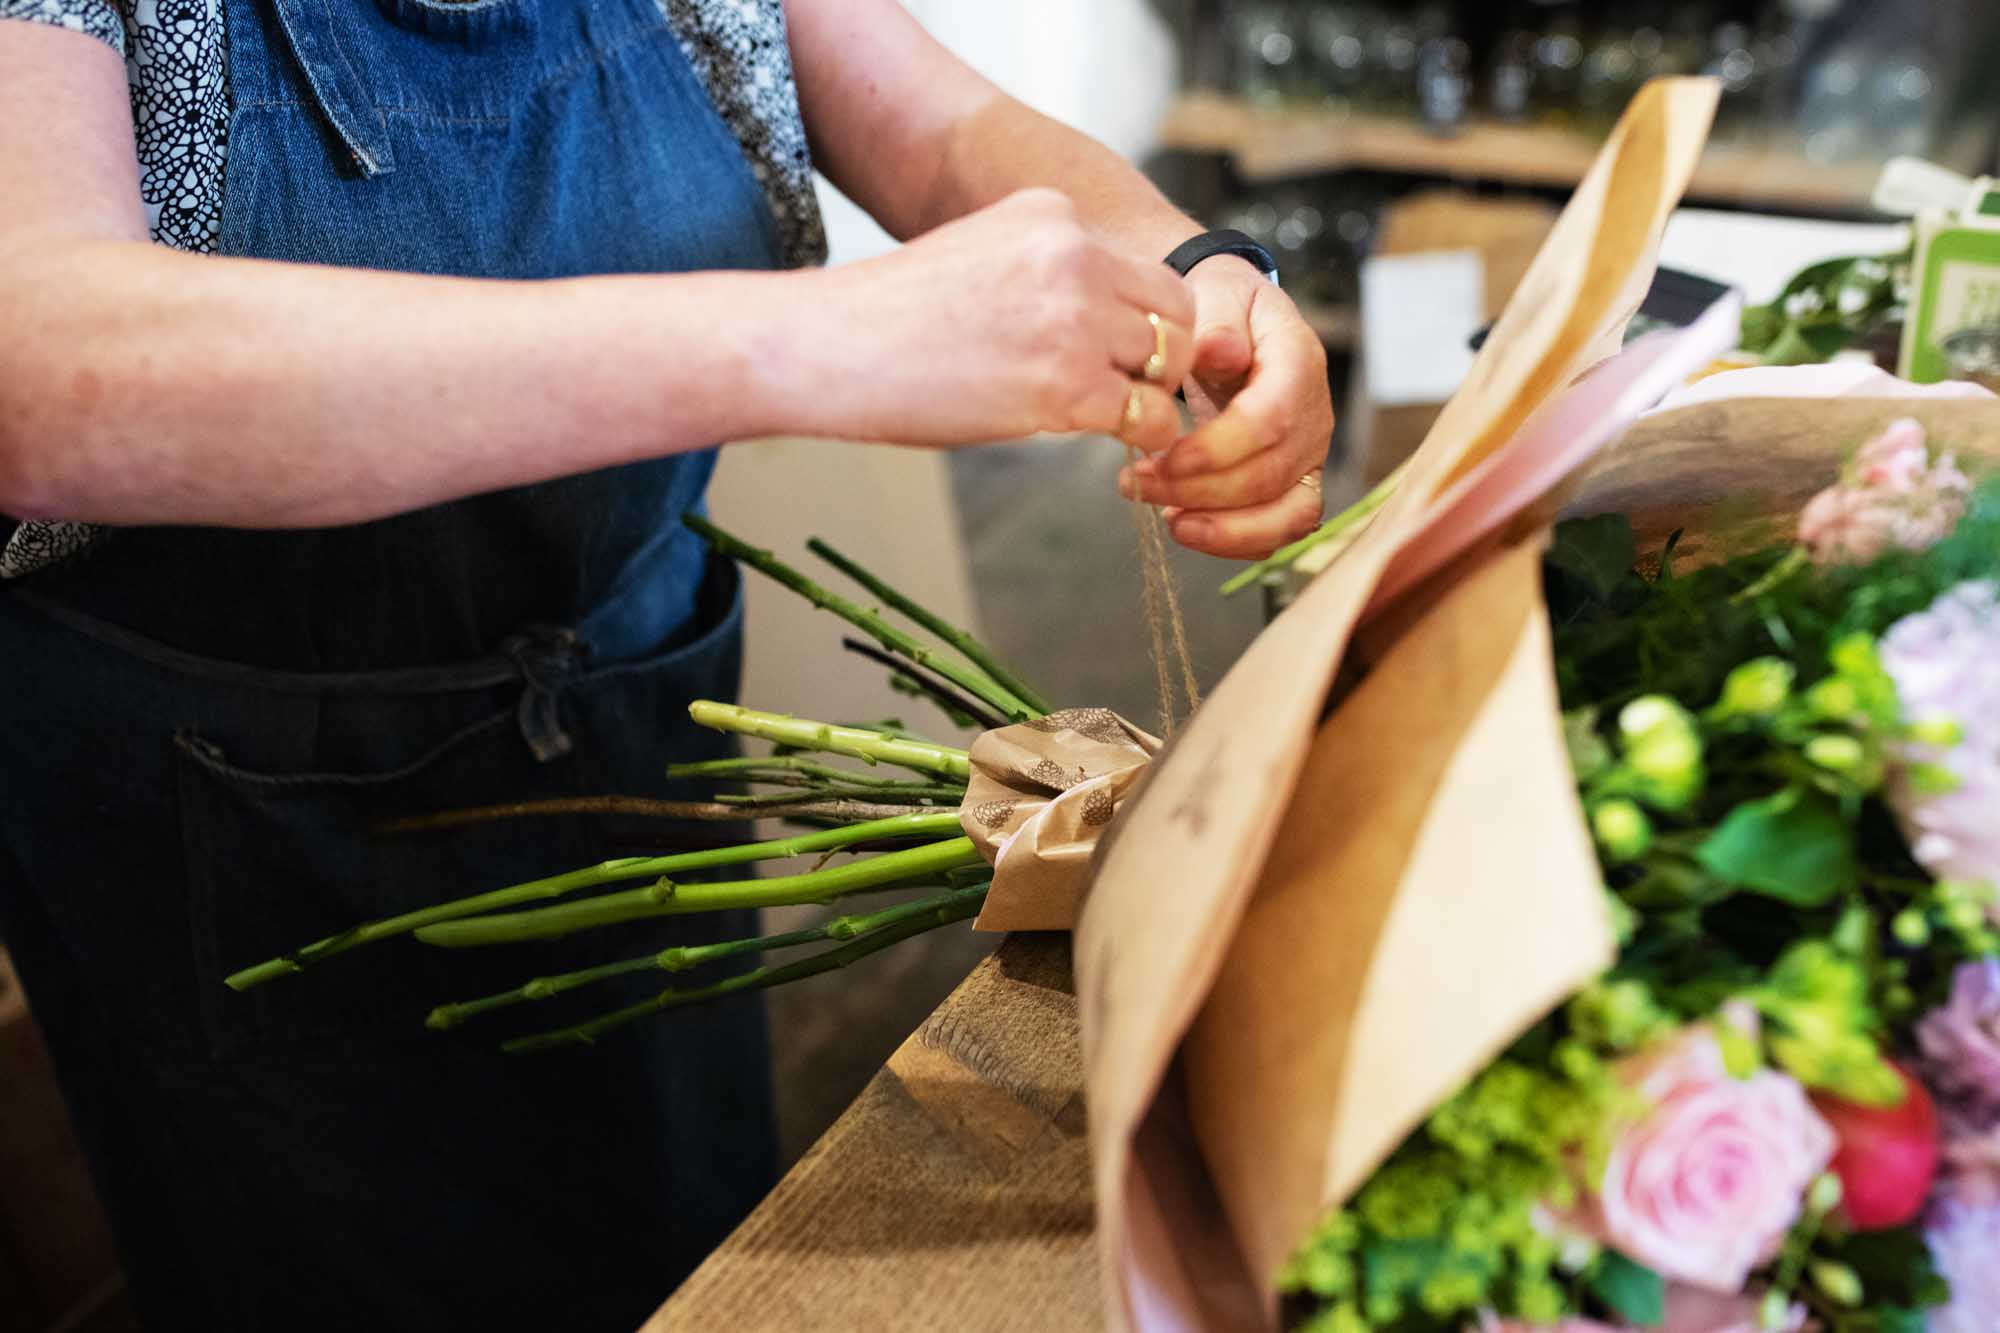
pixel 1779 1108
pixel 1587 928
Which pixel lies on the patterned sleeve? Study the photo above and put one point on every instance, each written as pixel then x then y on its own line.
pixel 97 18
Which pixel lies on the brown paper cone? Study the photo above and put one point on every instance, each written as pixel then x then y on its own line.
pixel 1177 873
pixel 1409 925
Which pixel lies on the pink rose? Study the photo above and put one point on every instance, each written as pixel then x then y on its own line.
pixel 1703 1187
pixel 1893 498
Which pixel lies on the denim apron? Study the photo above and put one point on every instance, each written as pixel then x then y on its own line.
pixel 205 729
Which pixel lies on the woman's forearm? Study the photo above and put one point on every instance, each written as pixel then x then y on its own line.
pixel 1003 146
pixel 917 137
pixel 139 385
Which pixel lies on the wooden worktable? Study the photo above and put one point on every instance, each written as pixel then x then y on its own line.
pixel 954 1193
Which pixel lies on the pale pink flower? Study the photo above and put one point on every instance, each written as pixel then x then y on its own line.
pixel 1489 1324
pixel 1704 1185
pixel 1893 498
pixel 1942 661
pixel 1963 1240
pixel 1969 1158
pixel 1961 1038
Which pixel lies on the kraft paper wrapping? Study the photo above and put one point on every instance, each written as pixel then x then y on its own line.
pixel 1177 873
pixel 1039 796
pixel 1404 931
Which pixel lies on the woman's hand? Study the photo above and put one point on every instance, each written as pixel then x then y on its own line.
pixel 1245 481
pixel 1008 322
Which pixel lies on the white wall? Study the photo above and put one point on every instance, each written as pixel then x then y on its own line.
pixel 1103 66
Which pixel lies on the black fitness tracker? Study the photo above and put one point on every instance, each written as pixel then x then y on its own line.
pixel 1224 242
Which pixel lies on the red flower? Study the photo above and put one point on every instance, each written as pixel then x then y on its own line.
pixel 1888 1156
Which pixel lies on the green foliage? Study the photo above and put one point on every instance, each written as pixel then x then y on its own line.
pixel 1793 846
pixel 1823 1024
pixel 1633 1292
pixel 1446 1227
pixel 1825 308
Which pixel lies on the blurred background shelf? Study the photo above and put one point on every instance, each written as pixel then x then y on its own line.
pixel 1338 326
pixel 1270 144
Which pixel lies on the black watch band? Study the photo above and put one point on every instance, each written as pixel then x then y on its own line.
pixel 1224 242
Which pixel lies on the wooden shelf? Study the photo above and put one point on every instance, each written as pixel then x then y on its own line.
pixel 1270 144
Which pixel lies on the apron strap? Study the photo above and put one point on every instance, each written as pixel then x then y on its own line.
pixel 336 86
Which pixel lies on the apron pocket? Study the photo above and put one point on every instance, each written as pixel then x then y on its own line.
pixel 277 860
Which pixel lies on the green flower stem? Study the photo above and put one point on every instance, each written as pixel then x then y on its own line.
pixel 664 897
pixel 1346 521
pixel 866 939
pixel 686 957
pixel 974 681
pixel 757 770
pixel 975 652
pixel 802 734
pixel 1798 558
pixel 925 824
pixel 906 796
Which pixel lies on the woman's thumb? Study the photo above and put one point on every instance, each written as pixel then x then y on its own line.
pixel 1222 344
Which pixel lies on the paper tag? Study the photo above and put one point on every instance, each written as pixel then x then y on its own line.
pixel 1418 315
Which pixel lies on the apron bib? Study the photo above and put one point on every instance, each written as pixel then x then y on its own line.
pixel 205 728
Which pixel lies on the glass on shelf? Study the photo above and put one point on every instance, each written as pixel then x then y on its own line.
pixel 1902 104
pixel 1267 58
pixel 1610 72
pixel 1393 43
pixel 1444 82
pixel 1510 76
pixel 1337 51
pixel 1559 51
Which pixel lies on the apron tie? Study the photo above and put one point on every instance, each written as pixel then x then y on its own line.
pixel 544 655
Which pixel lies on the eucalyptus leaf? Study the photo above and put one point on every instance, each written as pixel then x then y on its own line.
pixel 1793 846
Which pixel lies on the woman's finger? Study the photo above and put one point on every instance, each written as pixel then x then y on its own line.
pixel 1150 420
pixel 1255 480
pixel 1153 287
pixel 1141 414
pixel 1252 533
pixel 1140 339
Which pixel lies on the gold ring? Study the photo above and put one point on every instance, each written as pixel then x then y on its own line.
pixel 1155 368
pixel 1313 482
pixel 1135 407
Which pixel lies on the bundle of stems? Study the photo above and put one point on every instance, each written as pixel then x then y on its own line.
pixel 912 844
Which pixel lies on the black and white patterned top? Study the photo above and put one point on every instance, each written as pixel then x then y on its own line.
pixel 175 64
